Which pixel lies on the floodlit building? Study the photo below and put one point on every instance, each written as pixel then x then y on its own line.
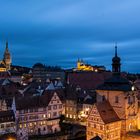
pixel 5 64
pixel 103 122
pixel 81 66
pixel 122 97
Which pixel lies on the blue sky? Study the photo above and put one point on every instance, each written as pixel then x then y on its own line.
pixel 58 32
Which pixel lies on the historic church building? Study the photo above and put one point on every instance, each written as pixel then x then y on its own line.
pixel 116 110
pixel 5 64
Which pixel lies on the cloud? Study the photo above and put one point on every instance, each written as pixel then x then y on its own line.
pixel 58 32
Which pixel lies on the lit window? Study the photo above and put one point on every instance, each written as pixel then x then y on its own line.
pixel 31 124
pixel 20 126
pixel 49 115
pixel 25 125
pixel 70 116
pixel 44 116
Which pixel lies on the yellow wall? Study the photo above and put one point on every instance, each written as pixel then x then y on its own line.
pixel 127 112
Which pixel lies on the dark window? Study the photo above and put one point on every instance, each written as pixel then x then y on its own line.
pixel 44 109
pixel 116 99
pixel 55 107
pixel 60 106
pixel 49 107
pixel 129 100
pixel 103 98
pixel 54 114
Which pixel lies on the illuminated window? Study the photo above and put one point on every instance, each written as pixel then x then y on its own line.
pixel 31 124
pixel 20 126
pixel 25 125
pixel 44 116
pixel 49 115
pixel 70 116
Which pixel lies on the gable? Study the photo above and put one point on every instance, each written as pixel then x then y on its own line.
pixel 94 115
pixel 55 98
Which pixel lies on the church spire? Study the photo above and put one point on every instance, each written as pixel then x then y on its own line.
pixel 6 49
pixel 116 65
pixel 116 50
pixel 7 57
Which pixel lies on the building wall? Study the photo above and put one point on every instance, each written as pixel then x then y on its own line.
pixel 126 107
pixel 41 120
pixel 7 127
pixel 96 126
pixel 71 109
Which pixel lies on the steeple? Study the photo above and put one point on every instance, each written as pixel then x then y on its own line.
pixel 116 65
pixel 116 50
pixel 7 57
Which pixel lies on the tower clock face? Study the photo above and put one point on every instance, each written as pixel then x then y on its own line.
pixel 133 88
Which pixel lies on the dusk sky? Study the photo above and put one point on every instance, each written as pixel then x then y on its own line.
pixel 58 32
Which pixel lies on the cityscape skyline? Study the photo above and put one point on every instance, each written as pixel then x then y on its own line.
pixel 59 32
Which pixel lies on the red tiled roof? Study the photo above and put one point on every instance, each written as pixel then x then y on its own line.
pixel 106 112
pixel 36 101
pixel 88 80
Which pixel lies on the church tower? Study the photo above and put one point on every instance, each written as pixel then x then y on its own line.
pixel 7 58
pixel 116 65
